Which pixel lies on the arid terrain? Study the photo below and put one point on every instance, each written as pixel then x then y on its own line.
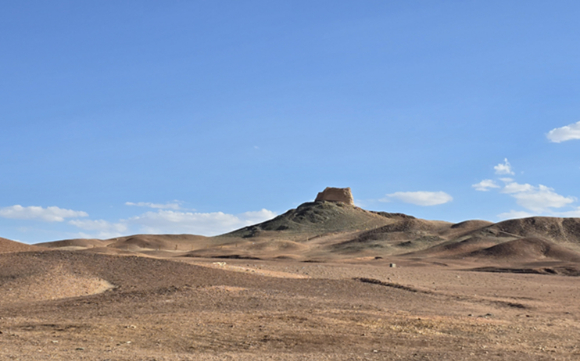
pixel 324 281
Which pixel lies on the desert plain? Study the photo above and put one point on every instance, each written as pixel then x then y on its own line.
pixel 325 281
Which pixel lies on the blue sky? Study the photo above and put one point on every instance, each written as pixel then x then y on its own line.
pixel 205 116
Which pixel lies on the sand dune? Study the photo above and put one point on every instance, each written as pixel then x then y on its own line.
pixel 139 242
pixel 527 249
pixel 7 245
pixel 456 248
pixel 77 243
pixel 561 230
pixel 400 236
pixel 463 228
pixel 36 276
pixel 168 242
pixel 53 283
pixel 255 248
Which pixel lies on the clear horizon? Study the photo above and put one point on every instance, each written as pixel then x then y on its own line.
pixel 204 117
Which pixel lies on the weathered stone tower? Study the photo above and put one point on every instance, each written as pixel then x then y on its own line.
pixel 331 194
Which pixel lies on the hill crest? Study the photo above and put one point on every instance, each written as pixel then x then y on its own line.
pixel 319 217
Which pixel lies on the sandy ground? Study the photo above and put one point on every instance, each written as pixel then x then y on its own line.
pixel 63 305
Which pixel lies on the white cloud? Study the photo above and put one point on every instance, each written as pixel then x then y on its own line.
pixel 572 213
pixel 565 133
pixel 165 221
pixel 256 216
pixel 485 185
pixel 99 225
pixel 207 224
pixel 514 187
pixel 48 214
pixel 514 214
pixel 541 199
pixel 175 205
pixel 523 214
pixel 420 198
pixel 504 168
pixel 536 200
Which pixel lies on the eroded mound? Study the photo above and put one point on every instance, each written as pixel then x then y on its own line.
pixel 75 243
pixel 254 248
pixel 403 229
pixel 566 230
pixel 7 246
pixel 527 249
pixel 135 243
pixel 166 242
pixel 454 249
pixel 47 275
pixel 471 225
pixel 466 227
pixel 139 242
pixel 55 283
pixel 39 276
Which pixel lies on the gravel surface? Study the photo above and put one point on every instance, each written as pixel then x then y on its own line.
pixel 59 305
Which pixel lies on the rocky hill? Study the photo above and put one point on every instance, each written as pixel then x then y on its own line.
pixel 333 227
pixel 319 217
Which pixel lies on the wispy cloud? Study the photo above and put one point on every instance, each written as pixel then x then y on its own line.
pixel 48 214
pixel 573 213
pixel 568 132
pixel 536 200
pixel 504 168
pixel 175 205
pixel 541 199
pixel 514 187
pixel 485 185
pixel 207 224
pixel 165 221
pixel 514 215
pixel 419 198
pixel 104 229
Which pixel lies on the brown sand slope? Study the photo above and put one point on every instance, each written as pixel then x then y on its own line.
pixel 560 230
pixel 495 254
pixel 403 234
pixel 7 245
pixel 159 242
pixel 456 248
pixel 515 239
pixel 525 250
pixel 136 243
pixel 75 243
pixel 37 276
pixel 409 228
pixel 254 248
pixel 466 227
pixel 404 228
